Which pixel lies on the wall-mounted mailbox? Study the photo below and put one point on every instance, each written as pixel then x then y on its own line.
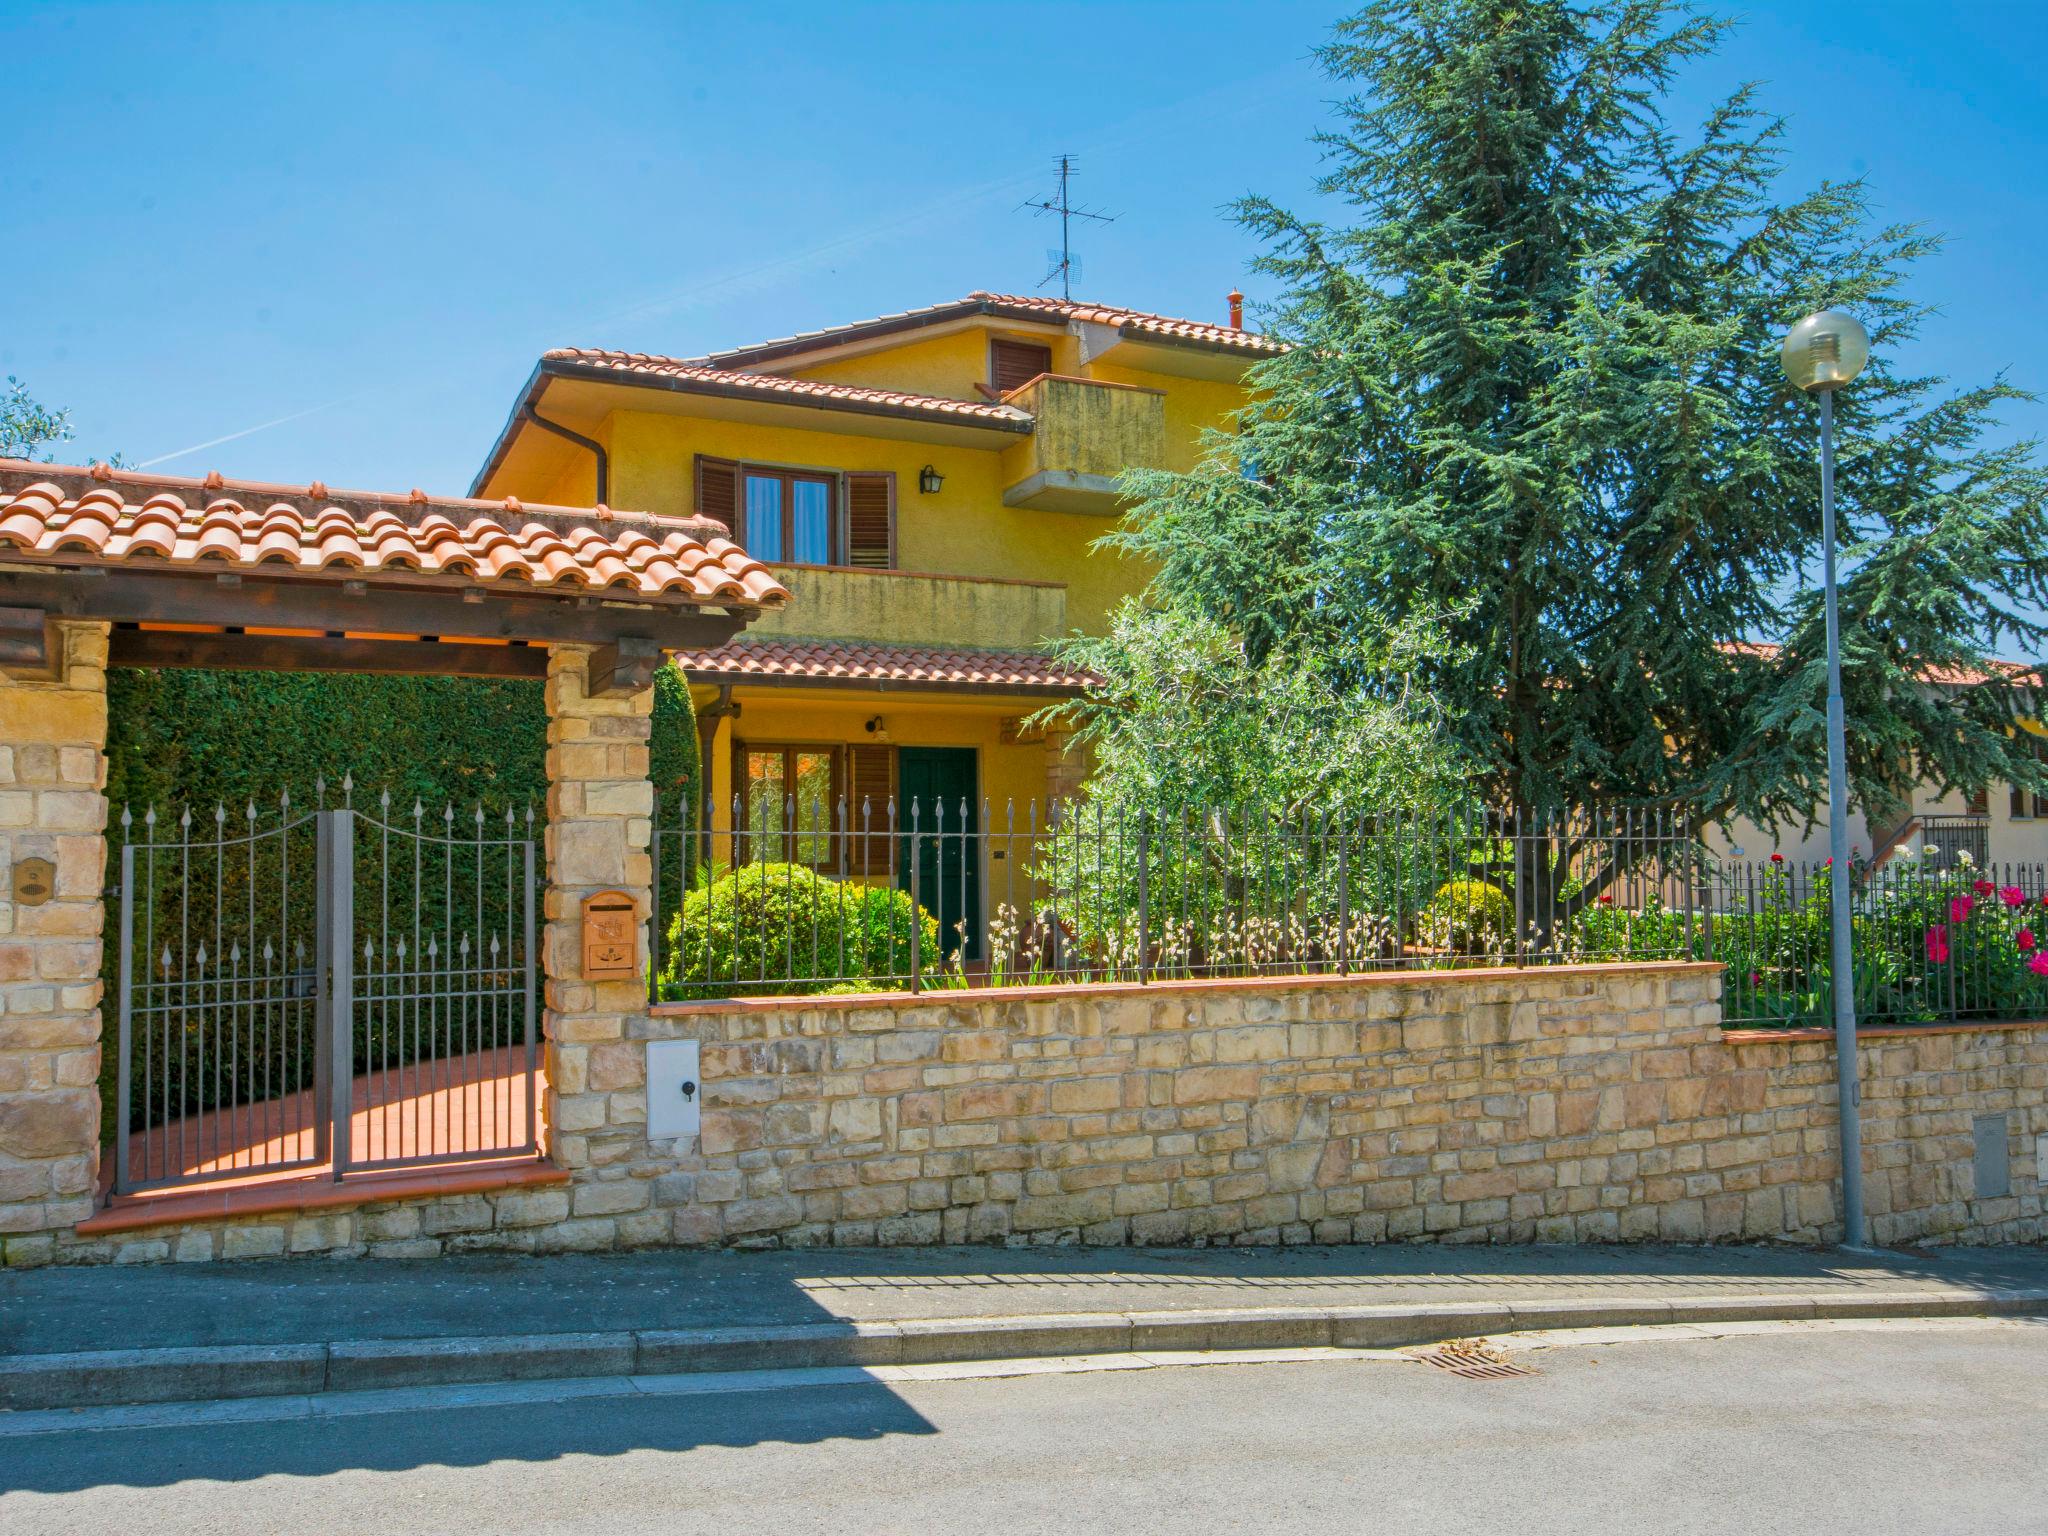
pixel 675 1093
pixel 611 936
pixel 35 881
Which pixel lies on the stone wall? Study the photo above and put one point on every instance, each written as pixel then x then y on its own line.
pixel 1597 1103
pixel 53 769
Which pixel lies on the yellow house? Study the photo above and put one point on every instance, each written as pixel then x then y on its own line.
pixel 928 486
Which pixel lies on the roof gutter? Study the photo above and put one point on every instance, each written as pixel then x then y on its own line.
pixel 604 463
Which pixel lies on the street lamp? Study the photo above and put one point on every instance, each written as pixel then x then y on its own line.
pixel 1822 353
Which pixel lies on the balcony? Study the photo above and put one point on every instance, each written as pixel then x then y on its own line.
pixel 1087 434
pixel 906 608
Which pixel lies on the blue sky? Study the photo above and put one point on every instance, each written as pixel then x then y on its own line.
pixel 360 225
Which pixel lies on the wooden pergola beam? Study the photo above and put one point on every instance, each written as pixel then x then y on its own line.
pixel 454 612
pixel 304 653
pixel 631 636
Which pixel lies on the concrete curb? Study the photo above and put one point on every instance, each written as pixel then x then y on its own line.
pixel 102 1378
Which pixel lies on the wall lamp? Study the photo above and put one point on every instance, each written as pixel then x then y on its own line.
pixel 929 480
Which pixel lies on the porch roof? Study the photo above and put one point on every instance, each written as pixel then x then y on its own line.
pixel 831 663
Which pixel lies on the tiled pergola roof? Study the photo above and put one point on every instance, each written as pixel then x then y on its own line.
pixel 102 517
pixel 237 573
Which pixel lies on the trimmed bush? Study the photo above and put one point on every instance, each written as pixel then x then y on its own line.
pixel 1468 917
pixel 785 929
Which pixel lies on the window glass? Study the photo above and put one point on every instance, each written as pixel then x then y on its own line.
pixel 810 503
pixel 764 517
pixel 814 810
pixel 766 793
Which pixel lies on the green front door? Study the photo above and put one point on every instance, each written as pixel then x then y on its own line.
pixel 939 815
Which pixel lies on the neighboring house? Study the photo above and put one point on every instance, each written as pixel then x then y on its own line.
pixel 929 486
pixel 2002 826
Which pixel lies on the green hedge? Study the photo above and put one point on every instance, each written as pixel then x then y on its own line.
pixel 201 738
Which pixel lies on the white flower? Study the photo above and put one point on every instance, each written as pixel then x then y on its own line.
pixel 1963 856
pixel 1930 850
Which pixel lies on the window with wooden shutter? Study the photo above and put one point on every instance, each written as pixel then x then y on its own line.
pixel 871 519
pixel 1015 363
pixel 870 784
pixel 718 491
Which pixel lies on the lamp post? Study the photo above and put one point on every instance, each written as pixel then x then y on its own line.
pixel 1822 353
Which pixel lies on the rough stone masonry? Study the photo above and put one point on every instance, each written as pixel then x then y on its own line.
pixel 1597 1103
pixel 53 737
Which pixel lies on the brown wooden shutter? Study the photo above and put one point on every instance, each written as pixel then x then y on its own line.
pixel 871 519
pixel 718 493
pixel 871 780
pixel 1013 363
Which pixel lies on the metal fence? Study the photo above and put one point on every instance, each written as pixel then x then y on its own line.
pixel 785 898
pixel 1938 935
pixel 788 897
pixel 302 986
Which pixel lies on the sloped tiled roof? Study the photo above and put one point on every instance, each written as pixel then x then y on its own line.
pixel 935 667
pixel 2022 672
pixel 688 374
pixel 70 516
pixel 1135 323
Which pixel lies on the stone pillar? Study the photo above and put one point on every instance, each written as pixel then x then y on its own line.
pixel 600 823
pixel 1064 768
pixel 53 771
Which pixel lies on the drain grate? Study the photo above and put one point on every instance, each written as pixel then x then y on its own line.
pixel 1474 1359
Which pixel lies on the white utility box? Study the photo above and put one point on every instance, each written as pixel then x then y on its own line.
pixel 675 1093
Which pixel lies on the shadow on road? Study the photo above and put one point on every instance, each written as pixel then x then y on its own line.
pixel 451 1436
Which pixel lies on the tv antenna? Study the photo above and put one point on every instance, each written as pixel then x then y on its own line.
pixel 1062 263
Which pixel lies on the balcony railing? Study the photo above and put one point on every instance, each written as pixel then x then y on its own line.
pixel 1088 433
pixel 906 607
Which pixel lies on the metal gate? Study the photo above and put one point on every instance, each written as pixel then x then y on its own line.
pixel 335 989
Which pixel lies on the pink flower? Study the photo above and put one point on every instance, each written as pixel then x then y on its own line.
pixel 1937 944
pixel 1982 887
pixel 1756 978
pixel 2013 897
pixel 2038 963
pixel 2025 939
pixel 1960 908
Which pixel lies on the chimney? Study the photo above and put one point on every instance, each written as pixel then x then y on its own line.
pixel 1236 310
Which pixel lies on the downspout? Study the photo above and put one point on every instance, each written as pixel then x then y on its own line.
pixel 604 463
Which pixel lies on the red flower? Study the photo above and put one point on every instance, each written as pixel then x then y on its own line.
pixel 2013 897
pixel 2039 963
pixel 2025 939
pixel 1606 901
pixel 1937 944
pixel 1983 887
pixel 1960 908
pixel 1777 858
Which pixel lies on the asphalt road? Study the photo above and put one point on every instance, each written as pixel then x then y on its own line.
pixel 1872 1431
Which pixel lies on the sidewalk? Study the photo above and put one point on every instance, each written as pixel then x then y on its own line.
pixel 154 1333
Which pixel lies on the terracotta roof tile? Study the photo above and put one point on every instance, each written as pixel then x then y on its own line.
pixel 1028 307
pixel 1136 322
pixel 2022 672
pixel 936 667
pixel 685 373
pixel 69 515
